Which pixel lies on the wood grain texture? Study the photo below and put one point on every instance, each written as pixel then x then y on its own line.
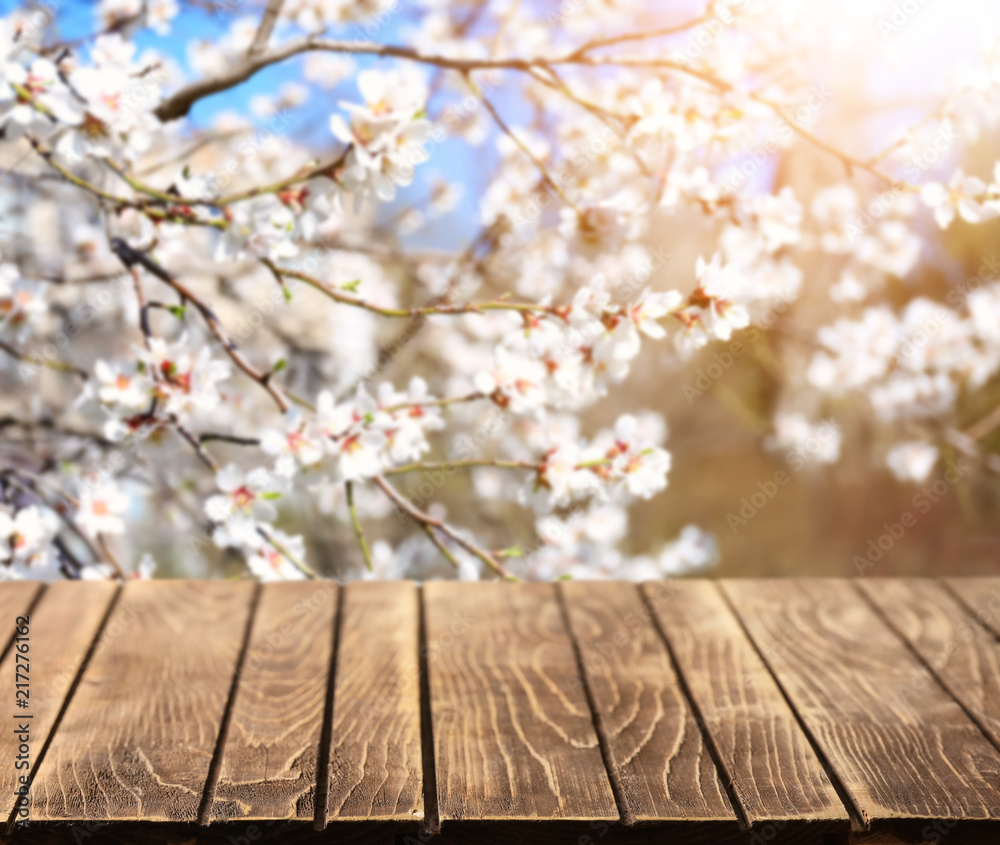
pixel 275 832
pixel 956 650
pixel 664 833
pixel 846 673
pixel 774 772
pixel 63 626
pixel 981 596
pixel 656 750
pixel 269 762
pixel 375 755
pixel 15 600
pixel 513 734
pixel 138 737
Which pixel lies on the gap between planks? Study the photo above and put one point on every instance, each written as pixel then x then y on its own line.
pixel 939 674
pixel 699 717
pixel 71 687
pixel 859 821
pixel 212 781
pixel 626 814
pixel 326 733
pixel 432 815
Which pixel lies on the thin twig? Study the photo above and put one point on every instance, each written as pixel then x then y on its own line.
pixel 131 257
pixel 102 544
pixel 523 147
pixel 430 466
pixel 42 362
pixel 358 530
pixel 422 518
pixel 298 564
pixel 419 311
pixel 441 547
pixel 598 43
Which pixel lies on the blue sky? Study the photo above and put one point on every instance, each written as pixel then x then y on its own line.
pixel 454 159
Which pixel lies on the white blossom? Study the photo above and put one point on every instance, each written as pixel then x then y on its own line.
pixel 912 460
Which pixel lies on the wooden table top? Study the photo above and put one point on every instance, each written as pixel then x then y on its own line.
pixel 800 711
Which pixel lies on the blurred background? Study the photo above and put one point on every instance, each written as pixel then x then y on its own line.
pixel 824 520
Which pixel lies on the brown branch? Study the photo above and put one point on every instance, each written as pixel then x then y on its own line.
pixel 131 257
pixel 180 103
pixel 598 43
pixel 419 311
pixel 18 355
pixel 979 429
pixel 424 519
pixel 267 22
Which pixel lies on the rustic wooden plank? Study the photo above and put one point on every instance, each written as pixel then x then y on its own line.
pixel 981 596
pixel 845 672
pixel 138 737
pixel 269 762
pixel 774 771
pixel 611 833
pixel 513 735
pixel 273 832
pixel 16 598
pixel 956 649
pixel 655 749
pixel 62 629
pixel 375 755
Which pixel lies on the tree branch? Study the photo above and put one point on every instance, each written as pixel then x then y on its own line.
pixel 425 519
pixel 359 532
pixel 266 27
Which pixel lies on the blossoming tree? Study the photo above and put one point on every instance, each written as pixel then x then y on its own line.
pixel 220 320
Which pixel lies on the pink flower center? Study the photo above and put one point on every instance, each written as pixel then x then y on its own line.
pixel 243 497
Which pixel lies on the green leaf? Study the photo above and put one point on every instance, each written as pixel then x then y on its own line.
pixel 566 577
pixel 287 293
pixel 513 551
pixel 270 496
pixel 279 365
pixel 179 311
pixel 351 286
